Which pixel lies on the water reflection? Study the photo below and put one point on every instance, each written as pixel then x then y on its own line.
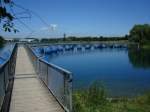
pixel 140 58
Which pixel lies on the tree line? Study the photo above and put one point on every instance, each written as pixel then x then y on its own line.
pixel 83 39
pixel 139 33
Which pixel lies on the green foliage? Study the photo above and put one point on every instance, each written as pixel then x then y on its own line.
pixel 94 99
pixel 79 102
pixel 82 39
pixel 91 100
pixel 6 18
pixel 145 99
pixel 140 33
pixel 52 40
pixel 96 94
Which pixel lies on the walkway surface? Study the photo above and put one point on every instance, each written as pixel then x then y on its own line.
pixel 29 93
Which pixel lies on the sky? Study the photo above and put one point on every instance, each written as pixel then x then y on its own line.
pixel 53 18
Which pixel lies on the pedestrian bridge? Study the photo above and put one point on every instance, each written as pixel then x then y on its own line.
pixel 35 85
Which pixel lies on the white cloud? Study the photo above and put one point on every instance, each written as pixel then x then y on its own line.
pixel 52 27
pixel 44 28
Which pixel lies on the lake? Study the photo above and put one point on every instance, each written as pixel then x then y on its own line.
pixel 123 72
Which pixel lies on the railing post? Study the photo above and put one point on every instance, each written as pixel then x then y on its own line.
pixel 70 92
pixel 39 69
pixel 36 65
pixel 47 74
pixel 70 89
pixel 4 80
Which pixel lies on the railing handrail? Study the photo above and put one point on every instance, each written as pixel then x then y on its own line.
pixel 59 69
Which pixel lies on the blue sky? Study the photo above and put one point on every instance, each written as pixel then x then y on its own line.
pixel 81 17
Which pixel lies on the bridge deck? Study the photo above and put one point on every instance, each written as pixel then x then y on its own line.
pixel 29 93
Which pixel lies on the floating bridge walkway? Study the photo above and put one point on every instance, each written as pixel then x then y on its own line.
pixel 30 94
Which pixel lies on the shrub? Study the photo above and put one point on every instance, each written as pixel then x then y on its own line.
pixel 91 100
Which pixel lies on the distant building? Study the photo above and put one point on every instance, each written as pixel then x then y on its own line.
pixel 22 40
pixel 9 39
pixel 27 40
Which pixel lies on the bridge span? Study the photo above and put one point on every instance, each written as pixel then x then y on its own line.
pixel 29 93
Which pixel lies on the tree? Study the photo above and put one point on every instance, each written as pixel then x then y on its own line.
pixel 6 18
pixel 140 33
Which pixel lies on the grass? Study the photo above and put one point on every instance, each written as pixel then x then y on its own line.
pixel 94 99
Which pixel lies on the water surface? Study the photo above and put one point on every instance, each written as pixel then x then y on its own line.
pixel 122 71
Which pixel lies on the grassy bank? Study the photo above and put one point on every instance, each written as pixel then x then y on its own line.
pixel 94 99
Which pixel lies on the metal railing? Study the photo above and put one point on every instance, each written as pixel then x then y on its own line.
pixel 7 71
pixel 58 80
